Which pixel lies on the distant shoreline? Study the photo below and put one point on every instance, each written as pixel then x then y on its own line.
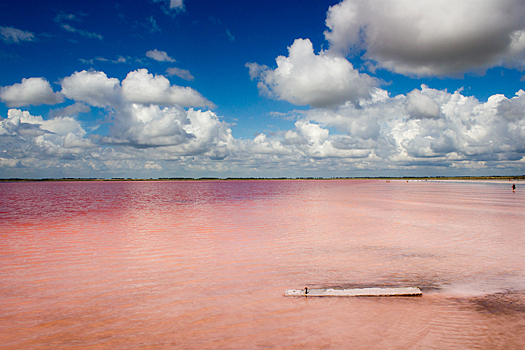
pixel 405 178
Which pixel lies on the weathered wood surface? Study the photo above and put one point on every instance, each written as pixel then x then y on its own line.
pixel 357 292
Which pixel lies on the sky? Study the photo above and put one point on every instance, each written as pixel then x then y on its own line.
pixel 288 88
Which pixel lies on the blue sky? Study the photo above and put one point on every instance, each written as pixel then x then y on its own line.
pixel 183 88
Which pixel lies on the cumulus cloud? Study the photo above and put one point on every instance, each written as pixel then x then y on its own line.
pixel 421 106
pixel 150 126
pixel 426 124
pixel 92 87
pixel 181 73
pixel 171 132
pixel 304 78
pixel 140 137
pixel 401 133
pixel 96 89
pixel 13 35
pixel 31 91
pixel 138 120
pixel 142 87
pixel 70 110
pixel 24 136
pixel 441 37
pixel 425 129
pixel 9 163
pixel 160 56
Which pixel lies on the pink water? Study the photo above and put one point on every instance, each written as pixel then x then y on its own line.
pixel 204 265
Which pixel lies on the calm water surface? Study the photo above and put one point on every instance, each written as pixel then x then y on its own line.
pixel 204 265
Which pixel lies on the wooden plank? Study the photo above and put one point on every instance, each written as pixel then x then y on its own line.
pixel 357 292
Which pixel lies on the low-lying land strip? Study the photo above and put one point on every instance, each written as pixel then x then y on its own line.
pixel 423 178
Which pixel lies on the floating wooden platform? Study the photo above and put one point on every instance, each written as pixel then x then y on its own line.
pixel 359 292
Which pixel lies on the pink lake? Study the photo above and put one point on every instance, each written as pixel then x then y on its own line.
pixel 205 264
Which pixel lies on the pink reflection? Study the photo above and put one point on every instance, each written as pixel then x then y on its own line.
pixel 205 264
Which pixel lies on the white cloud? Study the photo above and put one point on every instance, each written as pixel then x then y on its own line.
pixel 149 126
pixel 440 37
pixel 144 88
pixel 305 78
pixel 433 126
pixel 13 35
pixel 160 56
pixel 177 5
pixel 212 137
pixel 9 163
pixel 96 89
pixel 141 137
pixel 421 106
pixel 70 110
pixel 32 91
pixel 173 130
pixel 385 134
pixel 92 87
pixel 25 137
pixel 17 119
pixel 181 73
pixel 152 166
pixel 427 131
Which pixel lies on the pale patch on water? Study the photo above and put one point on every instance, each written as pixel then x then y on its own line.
pixel 204 265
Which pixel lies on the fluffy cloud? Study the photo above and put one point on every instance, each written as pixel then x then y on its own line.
pixel 25 136
pixel 32 91
pixel 13 35
pixel 92 87
pixel 421 106
pixel 401 133
pixel 70 110
pixel 138 119
pixel 150 126
pixel 440 37
pixel 142 87
pixel 160 56
pixel 140 128
pixel 171 132
pixel 426 131
pixel 433 126
pixel 140 138
pixel 305 78
pixel 96 89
